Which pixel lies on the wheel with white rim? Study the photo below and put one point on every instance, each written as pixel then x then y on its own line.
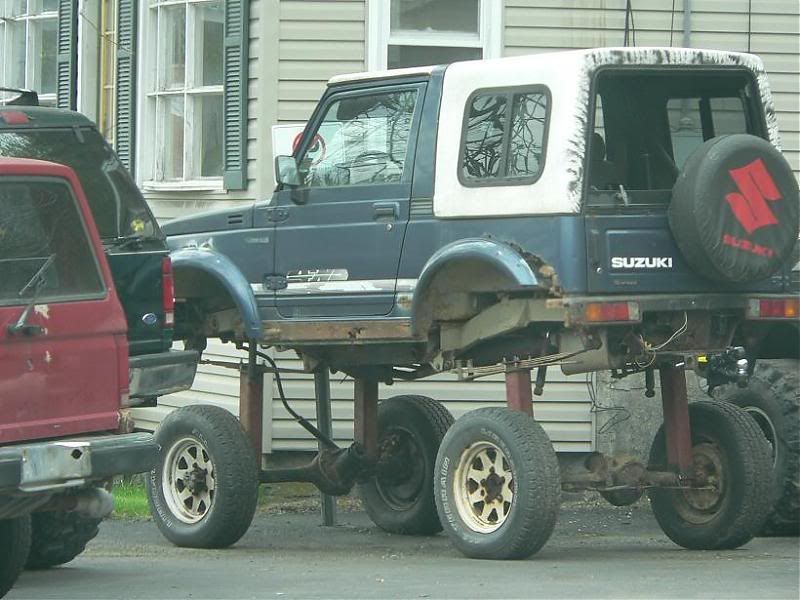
pixel 189 480
pixel 729 497
pixel 203 492
pixel 497 484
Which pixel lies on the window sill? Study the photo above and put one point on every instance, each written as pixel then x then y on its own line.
pixel 202 185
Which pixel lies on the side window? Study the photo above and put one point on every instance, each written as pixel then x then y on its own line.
pixel 504 137
pixel 726 114
pixel 43 244
pixel 361 140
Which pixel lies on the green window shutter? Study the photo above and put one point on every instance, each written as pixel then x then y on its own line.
pixel 125 119
pixel 67 55
pixel 235 95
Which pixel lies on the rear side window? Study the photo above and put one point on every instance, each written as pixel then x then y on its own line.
pixel 44 248
pixel 503 141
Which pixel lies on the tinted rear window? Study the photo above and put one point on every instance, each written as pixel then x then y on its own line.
pixel 118 207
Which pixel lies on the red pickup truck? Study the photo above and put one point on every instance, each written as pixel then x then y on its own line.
pixel 63 372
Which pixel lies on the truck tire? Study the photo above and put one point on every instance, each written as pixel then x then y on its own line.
pixel 15 541
pixel 772 398
pixel 731 450
pixel 734 209
pixel 58 537
pixel 204 490
pixel 399 498
pixel 505 456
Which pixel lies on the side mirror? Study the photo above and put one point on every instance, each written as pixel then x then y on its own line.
pixel 286 172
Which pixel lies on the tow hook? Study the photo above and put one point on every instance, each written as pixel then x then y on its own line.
pixel 729 366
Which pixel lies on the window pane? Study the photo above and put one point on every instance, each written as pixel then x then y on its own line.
pixel 494 148
pixel 527 135
pixel 209 39
pixel 415 56
pixel 39 220
pixel 49 5
pixel 172 44
pixel 170 136
pixel 483 142
pixel 209 110
pixel 47 56
pixel 435 15
pixel 729 116
pixel 362 140
pixel 126 213
pixel 16 68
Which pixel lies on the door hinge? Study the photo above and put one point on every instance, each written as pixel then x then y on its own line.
pixel 277 214
pixel 275 282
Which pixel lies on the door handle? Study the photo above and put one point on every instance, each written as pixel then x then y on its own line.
pixel 384 210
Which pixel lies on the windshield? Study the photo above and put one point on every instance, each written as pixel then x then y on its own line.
pixel 118 207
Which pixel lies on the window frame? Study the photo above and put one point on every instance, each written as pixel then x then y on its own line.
pixel 380 37
pixel 32 21
pixel 150 172
pixel 61 298
pixel 510 92
pixel 337 95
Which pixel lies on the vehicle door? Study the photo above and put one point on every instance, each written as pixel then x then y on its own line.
pixel 62 330
pixel 339 234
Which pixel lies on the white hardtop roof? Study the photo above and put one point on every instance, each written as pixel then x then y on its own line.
pixel 597 56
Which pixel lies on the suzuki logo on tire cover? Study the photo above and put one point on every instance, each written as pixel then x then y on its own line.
pixel 749 204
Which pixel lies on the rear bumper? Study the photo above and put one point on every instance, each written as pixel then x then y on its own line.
pixel 71 462
pixel 154 375
pixel 575 307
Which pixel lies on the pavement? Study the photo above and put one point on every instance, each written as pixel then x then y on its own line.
pixel 597 551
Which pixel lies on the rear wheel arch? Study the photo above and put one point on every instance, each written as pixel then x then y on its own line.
pixel 461 270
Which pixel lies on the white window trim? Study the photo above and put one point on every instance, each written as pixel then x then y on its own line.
pixel 146 113
pixel 379 37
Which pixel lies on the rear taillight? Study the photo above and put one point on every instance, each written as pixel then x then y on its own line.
pixel 611 312
pixel 167 292
pixel 773 308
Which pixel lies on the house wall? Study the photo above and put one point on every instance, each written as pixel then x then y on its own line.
pixel 297 45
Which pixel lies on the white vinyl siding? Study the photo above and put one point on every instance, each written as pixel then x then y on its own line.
pixel 317 40
pixel 549 25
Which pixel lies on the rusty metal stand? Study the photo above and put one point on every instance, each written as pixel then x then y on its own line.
pixel 322 389
pixel 677 429
pixel 366 415
pixel 251 400
pixel 518 391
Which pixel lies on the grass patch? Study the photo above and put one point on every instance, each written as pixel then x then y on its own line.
pixel 130 500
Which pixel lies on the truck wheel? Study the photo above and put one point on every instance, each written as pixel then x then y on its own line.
pixel 497 484
pixel 15 541
pixel 204 490
pixel 710 215
pixel 772 398
pixel 399 499
pixel 58 537
pixel 729 450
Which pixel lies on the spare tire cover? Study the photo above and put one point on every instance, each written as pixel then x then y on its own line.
pixel 735 209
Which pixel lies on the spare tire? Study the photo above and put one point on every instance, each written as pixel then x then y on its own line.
pixel 735 209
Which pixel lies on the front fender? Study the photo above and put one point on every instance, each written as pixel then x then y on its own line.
pixel 470 265
pixel 228 275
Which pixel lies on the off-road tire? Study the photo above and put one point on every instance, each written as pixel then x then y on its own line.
pixel 15 542
pixel 518 448
pixel 233 470
pixel 772 398
pixel 742 500
pixel 58 537
pixel 399 498
pixel 718 232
